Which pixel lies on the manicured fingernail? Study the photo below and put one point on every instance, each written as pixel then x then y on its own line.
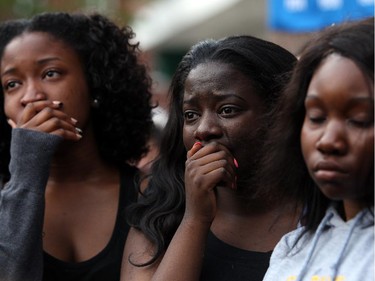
pixel 58 103
pixel 79 136
pixel 11 123
pixel 235 162
pixel 197 143
pixel 74 120
pixel 79 130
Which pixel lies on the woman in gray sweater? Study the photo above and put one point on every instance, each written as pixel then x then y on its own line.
pixel 79 103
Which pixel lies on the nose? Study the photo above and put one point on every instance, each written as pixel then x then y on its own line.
pixel 208 128
pixel 333 139
pixel 33 92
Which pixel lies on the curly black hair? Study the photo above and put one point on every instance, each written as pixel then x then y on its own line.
pixel 114 74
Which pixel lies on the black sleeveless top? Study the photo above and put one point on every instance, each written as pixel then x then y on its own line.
pixel 106 265
pixel 223 262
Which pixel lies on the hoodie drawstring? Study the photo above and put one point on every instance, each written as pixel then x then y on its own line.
pixel 315 241
pixel 338 262
pixel 313 246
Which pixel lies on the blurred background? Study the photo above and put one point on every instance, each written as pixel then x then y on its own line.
pixel 167 28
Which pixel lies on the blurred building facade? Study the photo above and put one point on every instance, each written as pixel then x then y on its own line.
pixel 167 28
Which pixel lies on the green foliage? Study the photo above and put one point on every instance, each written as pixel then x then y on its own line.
pixel 10 9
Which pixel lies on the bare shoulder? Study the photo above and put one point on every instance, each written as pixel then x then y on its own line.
pixel 138 251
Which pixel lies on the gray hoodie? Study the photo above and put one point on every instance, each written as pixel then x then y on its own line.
pixel 22 205
pixel 338 251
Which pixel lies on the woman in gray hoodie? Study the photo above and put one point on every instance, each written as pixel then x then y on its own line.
pixel 331 98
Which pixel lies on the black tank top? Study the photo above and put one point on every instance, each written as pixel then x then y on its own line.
pixel 106 265
pixel 224 262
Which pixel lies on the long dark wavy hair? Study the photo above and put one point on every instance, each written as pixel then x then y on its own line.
pixel 159 210
pixel 114 74
pixel 353 40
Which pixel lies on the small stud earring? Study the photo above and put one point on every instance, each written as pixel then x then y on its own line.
pixel 95 103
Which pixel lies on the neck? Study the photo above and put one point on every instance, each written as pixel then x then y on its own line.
pixel 352 208
pixel 77 161
pixel 253 225
pixel 232 202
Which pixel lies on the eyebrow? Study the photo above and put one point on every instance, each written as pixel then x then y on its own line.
pixel 39 62
pixel 215 96
pixel 46 60
pixel 358 99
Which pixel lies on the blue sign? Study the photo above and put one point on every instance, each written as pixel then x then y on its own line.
pixel 313 15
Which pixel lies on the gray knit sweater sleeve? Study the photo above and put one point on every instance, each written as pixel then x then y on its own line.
pixel 22 205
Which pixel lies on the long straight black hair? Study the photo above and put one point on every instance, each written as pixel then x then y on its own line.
pixel 160 209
